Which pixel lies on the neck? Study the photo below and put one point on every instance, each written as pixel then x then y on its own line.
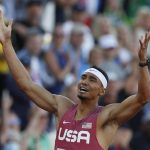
pixel 84 108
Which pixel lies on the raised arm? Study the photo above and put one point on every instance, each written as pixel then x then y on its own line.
pixel 121 112
pixel 39 95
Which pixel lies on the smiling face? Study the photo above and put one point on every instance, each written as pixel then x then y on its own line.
pixel 90 87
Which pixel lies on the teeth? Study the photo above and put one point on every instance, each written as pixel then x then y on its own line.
pixel 83 89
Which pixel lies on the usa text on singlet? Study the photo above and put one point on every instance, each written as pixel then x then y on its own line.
pixel 77 134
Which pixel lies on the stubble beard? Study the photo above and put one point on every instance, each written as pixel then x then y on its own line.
pixel 82 98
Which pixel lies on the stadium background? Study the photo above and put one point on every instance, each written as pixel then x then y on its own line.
pixel 56 40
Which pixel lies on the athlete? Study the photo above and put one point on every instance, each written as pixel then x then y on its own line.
pixel 83 125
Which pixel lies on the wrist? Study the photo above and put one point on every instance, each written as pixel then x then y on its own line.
pixel 6 41
pixel 142 57
pixel 144 62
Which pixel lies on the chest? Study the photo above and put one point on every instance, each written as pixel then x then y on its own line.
pixel 77 131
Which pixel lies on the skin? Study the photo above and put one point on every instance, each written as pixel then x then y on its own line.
pixel 109 119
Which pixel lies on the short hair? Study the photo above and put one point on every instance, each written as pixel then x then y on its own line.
pixel 102 71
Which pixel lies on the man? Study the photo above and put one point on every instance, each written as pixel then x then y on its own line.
pixel 82 126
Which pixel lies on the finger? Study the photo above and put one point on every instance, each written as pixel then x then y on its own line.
pixel 142 40
pixel 10 22
pixel 148 35
pixel 140 43
pixel 146 38
pixel 1 17
pixel 143 43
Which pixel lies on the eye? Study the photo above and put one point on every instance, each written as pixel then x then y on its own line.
pixel 83 77
pixel 93 79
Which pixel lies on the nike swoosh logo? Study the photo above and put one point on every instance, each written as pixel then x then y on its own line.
pixel 66 122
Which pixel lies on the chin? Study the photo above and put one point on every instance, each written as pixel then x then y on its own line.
pixel 82 98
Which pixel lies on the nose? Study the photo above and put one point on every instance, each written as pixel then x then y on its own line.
pixel 84 82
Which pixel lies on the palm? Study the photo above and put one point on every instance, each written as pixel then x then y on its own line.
pixel 143 46
pixel 5 28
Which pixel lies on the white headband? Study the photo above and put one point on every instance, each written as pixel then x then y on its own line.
pixel 99 75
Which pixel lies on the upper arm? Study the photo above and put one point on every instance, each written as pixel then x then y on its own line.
pixel 42 97
pixel 46 100
pixel 113 115
pixel 122 112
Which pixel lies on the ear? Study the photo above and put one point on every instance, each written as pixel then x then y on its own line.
pixel 101 92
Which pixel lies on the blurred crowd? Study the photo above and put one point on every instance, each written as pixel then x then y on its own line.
pixel 56 40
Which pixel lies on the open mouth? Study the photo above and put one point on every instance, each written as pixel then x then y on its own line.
pixel 83 89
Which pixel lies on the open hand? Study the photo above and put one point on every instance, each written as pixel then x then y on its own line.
pixel 5 29
pixel 143 46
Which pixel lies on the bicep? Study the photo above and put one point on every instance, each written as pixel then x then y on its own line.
pixel 42 98
pixel 57 104
pixel 122 112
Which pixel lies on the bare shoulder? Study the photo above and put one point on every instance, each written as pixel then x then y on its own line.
pixel 104 116
pixel 64 104
pixel 106 128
